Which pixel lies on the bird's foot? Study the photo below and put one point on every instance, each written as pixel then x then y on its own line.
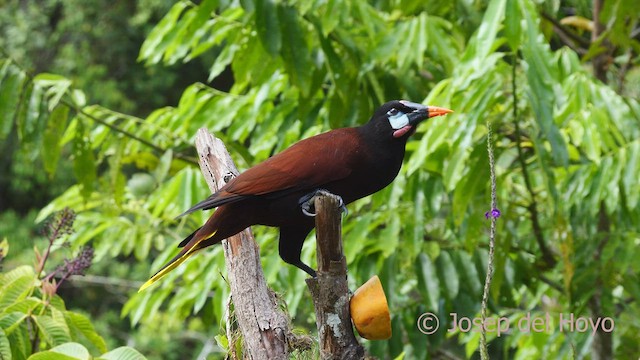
pixel 228 176
pixel 307 202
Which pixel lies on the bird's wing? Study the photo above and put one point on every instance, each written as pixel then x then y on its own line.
pixel 308 164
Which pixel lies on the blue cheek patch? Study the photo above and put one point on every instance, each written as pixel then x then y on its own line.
pixel 399 120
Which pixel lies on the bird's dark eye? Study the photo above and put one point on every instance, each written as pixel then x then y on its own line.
pixel 392 112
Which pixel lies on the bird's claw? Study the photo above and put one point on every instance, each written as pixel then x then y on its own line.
pixel 343 208
pixel 307 202
pixel 306 208
pixel 228 176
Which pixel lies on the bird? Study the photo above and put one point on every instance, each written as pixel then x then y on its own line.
pixel 351 163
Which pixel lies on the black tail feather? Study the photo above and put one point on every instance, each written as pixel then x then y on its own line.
pixel 210 203
pixel 188 238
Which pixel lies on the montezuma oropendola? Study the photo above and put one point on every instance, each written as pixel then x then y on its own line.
pixel 349 162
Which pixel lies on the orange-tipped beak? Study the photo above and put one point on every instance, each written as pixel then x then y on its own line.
pixel 423 112
pixel 437 111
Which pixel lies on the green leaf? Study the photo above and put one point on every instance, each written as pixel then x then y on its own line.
pixel 15 290
pixel 630 175
pixel 591 141
pixel 122 353
pixel 79 98
pixel 468 186
pixel 248 5
pixel 332 15
pixel 222 341
pixel 630 282
pixel 355 238
pixel 9 322
pixel 390 236
pixel 51 145
pixel 66 351
pixel 512 25
pixel 481 45
pixel 48 79
pixel 448 274
pixel 160 173
pixel 253 69
pixel 84 166
pixel 541 73
pixel 20 271
pixel 25 306
pixel 4 248
pixel 295 53
pixel 83 324
pixel 11 87
pixel 469 272
pixel 20 342
pixel 51 355
pixel 428 282
pixel 5 346
pixel 56 87
pixel 151 50
pixel 177 44
pixel 267 25
pixel 141 251
pixel 222 60
pixel 54 331
pixel 57 303
pixel 418 224
pixel 28 125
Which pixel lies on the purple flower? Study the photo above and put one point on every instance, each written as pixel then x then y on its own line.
pixel 80 263
pixel 494 213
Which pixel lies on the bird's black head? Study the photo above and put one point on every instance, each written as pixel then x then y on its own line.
pixel 399 118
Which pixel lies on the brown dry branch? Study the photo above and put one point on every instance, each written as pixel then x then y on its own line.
pixel 330 290
pixel 264 326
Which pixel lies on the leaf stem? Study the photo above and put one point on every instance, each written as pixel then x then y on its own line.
pixel 80 111
pixel 566 33
pixel 157 148
pixel 484 354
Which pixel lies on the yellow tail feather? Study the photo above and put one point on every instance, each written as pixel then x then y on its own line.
pixel 174 263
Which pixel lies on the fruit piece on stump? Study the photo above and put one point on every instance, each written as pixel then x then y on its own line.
pixel 370 312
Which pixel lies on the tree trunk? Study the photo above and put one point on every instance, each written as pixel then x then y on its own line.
pixel 602 344
pixel 330 290
pixel 599 61
pixel 264 326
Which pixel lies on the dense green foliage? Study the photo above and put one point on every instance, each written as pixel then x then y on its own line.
pixel 35 317
pixel 566 145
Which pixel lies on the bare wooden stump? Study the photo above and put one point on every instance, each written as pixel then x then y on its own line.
pixel 264 326
pixel 330 290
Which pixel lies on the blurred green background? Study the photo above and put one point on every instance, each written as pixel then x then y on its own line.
pixel 100 102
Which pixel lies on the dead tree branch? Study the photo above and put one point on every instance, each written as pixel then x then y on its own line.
pixel 264 326
pixel 330 291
